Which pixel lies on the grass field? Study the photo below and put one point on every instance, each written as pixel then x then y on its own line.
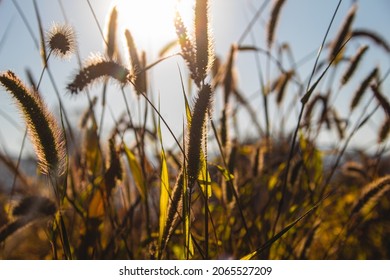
pixel 214 194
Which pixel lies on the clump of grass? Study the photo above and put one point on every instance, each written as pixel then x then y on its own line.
pixel 281 193
pixel 44 132
pixel 372 192
pixel 187 48
pixel 28 210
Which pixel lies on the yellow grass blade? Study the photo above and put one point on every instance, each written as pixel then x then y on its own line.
pixel 164 189
pixel 136 171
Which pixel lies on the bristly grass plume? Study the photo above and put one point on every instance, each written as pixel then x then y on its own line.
pixel 44 132
pixel 273 21
pixel 95 69
pixel 61 40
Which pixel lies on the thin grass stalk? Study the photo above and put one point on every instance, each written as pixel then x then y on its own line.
pixel 206 201
pixel 97 22
pixel 228 86
pixel 304 100
pixel 376 38
pixel 31 32
pixel 41 34
pixel 111 52
pixel 359 123
pixel 13 186
pixel 231 186
pixel 250 25
pixel 138 145
pixel 26 23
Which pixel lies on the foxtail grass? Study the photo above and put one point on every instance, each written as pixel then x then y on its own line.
pixel 61 40
pixel 43 130
pixel 373 36
pixel 96 69
pixel 381 99
pixel 29 209
pixel 273 21
pixel 187 48
pixel 354 63
pixel 111 47
pixel 342 34
pixel 137 65
pixel 192 160
pixel 363 87
pixel 371 193
pixel 203 43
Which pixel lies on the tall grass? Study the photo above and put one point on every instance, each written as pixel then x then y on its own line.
pixel 215 194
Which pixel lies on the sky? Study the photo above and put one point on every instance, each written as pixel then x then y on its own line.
pixel 302 24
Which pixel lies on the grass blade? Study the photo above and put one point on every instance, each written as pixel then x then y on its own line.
pixel 136 171
pixel 277 236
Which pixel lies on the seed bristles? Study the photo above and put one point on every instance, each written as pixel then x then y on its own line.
pixel 44 132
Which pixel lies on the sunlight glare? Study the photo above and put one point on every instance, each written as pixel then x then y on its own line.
pixel 151 22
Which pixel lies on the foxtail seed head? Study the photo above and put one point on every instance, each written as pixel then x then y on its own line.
pixel 61 40
pixel 95 69
pixel 43 130
pixel 273 21
pixel 111 34
pixel 343 33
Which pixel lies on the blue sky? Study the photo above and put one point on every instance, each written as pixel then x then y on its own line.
pixel 302 24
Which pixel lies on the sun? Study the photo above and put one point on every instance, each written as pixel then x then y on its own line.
pixel 151 22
